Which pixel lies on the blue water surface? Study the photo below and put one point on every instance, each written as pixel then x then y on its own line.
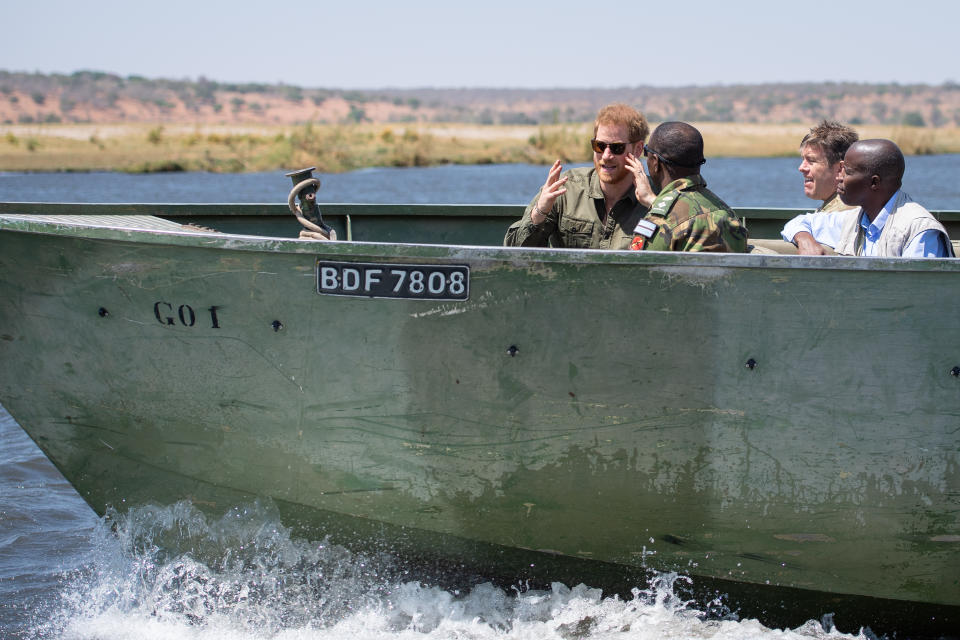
pixel 742 182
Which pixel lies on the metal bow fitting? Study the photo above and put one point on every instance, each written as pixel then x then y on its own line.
pixel 308 212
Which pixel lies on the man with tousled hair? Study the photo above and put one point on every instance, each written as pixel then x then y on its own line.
pixel 821 154
pixel 589 207
pixel 684 215
pixel 885 221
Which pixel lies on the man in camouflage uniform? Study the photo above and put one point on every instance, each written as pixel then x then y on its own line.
pixel 685 215
pixel 589 207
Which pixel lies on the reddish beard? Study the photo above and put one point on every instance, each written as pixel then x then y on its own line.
pixel 618 175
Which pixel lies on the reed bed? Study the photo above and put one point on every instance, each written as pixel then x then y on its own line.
pixel 337 148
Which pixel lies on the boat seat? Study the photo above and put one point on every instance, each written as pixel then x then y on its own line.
pixel 134 222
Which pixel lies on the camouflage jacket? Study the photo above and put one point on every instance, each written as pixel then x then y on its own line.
pixel 686 216
pixel 578 218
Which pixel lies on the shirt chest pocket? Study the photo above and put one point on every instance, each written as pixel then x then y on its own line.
pixel 576 233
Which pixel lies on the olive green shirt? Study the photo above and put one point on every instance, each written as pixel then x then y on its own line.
pixel 578 218
pixel 690 217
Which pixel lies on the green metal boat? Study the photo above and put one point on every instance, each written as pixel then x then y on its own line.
pixel 783 429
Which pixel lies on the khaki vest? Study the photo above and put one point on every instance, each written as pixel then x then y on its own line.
pixel 907 220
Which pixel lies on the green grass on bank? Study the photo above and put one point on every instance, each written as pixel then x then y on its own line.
pixel 338 148
pixel 330 148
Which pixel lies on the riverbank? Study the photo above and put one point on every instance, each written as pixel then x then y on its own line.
pixel 145 148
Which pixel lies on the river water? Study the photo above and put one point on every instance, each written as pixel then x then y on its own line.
pixel 757 182
pixel 170 572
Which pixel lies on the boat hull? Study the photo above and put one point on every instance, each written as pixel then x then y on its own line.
pixel 759 420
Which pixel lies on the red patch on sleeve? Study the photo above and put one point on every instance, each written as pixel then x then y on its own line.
pixel 639 242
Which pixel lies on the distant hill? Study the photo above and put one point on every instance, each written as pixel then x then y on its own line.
pixel 96 97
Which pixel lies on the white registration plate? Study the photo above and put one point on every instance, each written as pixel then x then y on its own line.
pixel 417 281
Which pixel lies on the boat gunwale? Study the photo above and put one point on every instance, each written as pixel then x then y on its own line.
pixel 239 209
pixel 518 256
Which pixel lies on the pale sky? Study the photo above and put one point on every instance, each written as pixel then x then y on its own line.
pixel 369 44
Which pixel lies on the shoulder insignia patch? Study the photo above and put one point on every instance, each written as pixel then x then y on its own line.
pixel 662 204
pixel 645 228
pixel 638 244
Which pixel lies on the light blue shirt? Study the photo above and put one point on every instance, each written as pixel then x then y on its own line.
pixel 826 227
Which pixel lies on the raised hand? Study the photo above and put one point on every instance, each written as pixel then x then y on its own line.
pixel 641 184
pixel 552 189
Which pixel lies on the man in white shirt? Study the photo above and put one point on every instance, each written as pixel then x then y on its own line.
pixel 821 154
pixel 886 221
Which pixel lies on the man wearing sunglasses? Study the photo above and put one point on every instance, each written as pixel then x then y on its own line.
pixel 684 215
pixel 589 207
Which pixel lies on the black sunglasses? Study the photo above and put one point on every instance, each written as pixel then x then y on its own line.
pixel 616 148
pixel 647 151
